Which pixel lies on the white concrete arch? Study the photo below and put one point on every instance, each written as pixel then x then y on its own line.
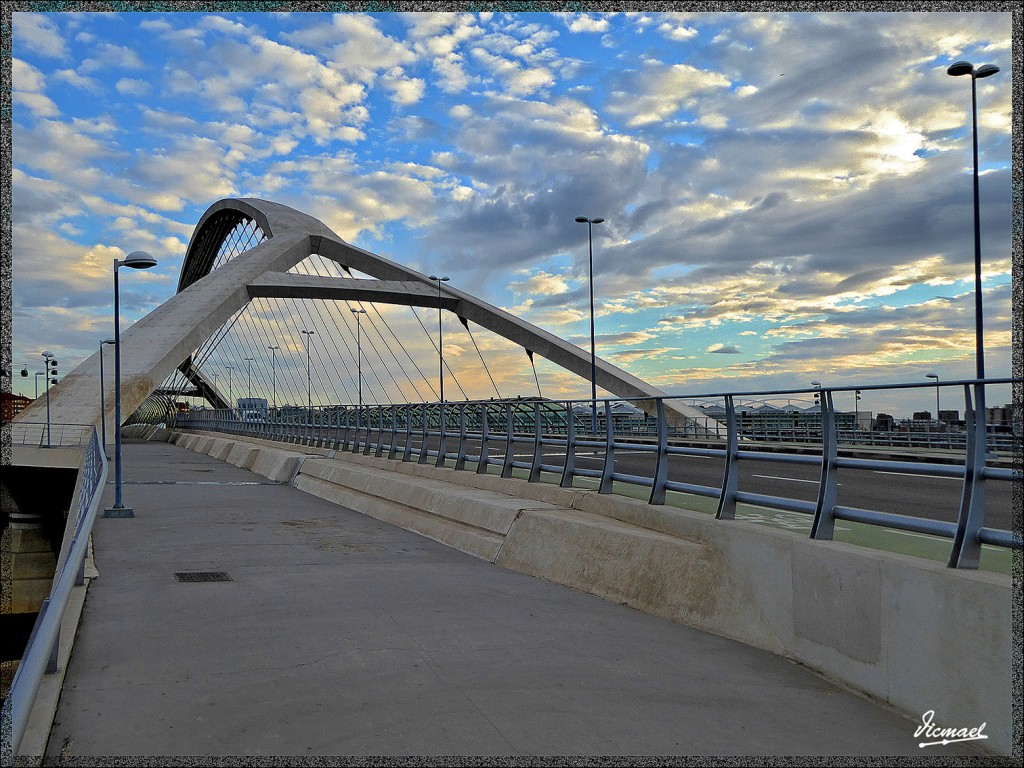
pixel 166 338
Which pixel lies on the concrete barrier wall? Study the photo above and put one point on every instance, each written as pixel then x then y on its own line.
pixel 905 630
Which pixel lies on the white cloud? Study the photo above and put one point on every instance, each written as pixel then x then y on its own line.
pixel 36 32
pixel 583 22
pixel 130 87
pixel 82 82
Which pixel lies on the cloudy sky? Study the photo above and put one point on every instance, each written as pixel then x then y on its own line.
pixel 787 196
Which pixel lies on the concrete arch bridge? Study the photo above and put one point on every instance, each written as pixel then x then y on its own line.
pixel 258 272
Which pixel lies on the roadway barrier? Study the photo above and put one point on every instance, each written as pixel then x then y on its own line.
pixel 489 434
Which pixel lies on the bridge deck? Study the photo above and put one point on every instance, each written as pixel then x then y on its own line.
pixel 342 635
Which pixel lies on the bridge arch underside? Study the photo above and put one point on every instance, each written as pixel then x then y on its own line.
pixel 257 274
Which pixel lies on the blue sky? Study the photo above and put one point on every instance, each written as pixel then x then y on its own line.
pixel 787 196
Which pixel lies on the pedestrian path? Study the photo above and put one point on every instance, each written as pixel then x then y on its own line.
pixel 337 634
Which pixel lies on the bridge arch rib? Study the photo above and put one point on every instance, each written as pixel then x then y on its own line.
pixel 209 297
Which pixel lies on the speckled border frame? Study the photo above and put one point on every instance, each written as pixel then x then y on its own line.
pixel 1017 364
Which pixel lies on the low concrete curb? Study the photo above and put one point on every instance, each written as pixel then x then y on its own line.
pixel 907 631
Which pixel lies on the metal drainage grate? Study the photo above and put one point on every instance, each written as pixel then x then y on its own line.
pixel 195 576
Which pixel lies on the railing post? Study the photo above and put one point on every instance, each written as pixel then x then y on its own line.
pixel 661 463
pixel 966 551
pixel 407 450
pixel 609 452
pixel 538 444
pixel 442 438
pixel 423 437
pixel 481 467
pixel 379 450
pixel 460 460
pixel 367 421
pixel 570 447
pixel 730 482
pixel 506 467
pixel 393 443
pixel 828 483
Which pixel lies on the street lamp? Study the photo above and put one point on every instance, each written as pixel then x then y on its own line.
pixel 135 260
pixel 359 354
pixel 593 354
pixel 936 377
pixel 309 381
pixel 248 377
pixel 103 399
pixel 440 337
pixel 985 70
pixel 273 368
pixel 48 361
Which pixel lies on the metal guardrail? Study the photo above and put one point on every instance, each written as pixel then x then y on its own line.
pixel 426 430
pixel 41 434
pixel 40 655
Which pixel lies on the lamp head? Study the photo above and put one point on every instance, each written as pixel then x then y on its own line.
pixel 138 260
pixel 582 219
pixel 46 353
pixel 985 70
pixel 932 376
pixel 960 68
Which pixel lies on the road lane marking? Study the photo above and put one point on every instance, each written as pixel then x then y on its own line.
pixel 791 479
pixel 911 474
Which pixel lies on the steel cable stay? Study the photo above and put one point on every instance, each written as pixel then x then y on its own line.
pixel 328 330
pixel 412 380
pixel 320 367
pixel 409 379
pixel 433 343
pixel 252 328
pixel 465 324
pixel 529 354
pixel 345 323
pixel 282 332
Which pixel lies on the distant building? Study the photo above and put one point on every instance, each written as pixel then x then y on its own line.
pixel 12 404
pixel 768 419
pixel 1000 416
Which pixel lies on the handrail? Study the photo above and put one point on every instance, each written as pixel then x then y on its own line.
pixel 40 655
pixel 536 424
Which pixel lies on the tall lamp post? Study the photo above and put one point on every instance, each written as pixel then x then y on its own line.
pixel 985 70
pixel 593 353
pixel 936 377
pixel 50 366
pixel 440 337
pixel 359 354
pixel 103 399
pixel 273 371
pixel 135 260
pixel 248 377
pixel 309 334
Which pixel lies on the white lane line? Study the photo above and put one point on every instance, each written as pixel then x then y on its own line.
pixel 911 474
pixel 791 479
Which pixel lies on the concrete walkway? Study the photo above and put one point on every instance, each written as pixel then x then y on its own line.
pixel 342 635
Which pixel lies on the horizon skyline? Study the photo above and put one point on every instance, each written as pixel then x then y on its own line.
pixel 761 232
